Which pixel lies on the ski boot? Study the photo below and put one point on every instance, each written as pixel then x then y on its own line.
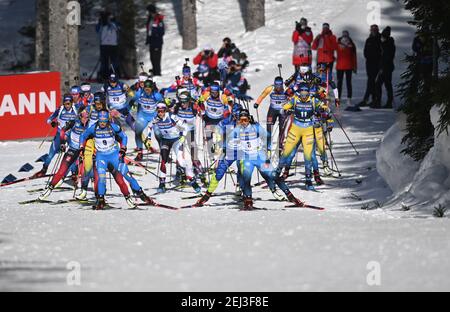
pixel 60 182
pixel 195 186
pixel 203 199
pixel 277 195
pixel 140 155
pixel 82 195
pixel 100 204
pixel 326 169
pixel 308 184
pixel 144 197
pixel 317 178
pixel 41 172
pixel 130 202
pixel 295 200
pixel 180 176
pixel 161 187
pixel 48 190
pixel 248 203
pixel 238 192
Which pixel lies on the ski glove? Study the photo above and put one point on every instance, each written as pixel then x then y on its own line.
pixel 63 148
pixel 122 152
pixel 54 123
pixel 255 105
pixel 337 102
pixel 182 139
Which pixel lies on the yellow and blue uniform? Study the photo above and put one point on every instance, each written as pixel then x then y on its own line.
pixel 301 131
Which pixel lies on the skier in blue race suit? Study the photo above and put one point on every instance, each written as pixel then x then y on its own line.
pixel 108 156
pixel 146 102
pixel 59 118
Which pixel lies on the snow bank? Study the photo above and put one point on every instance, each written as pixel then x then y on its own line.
pixel 422 185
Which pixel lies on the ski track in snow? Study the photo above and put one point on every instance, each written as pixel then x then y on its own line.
pixel 218 248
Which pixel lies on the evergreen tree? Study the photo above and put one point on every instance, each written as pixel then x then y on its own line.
pixel 423 87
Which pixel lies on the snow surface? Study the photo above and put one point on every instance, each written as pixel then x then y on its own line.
pixel 420 185
pixel 218 248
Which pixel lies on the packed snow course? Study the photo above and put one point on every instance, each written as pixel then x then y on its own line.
pixel 217 247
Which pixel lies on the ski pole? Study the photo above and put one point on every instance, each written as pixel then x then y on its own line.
pixel 279 69
pixel 343 130
pixel 332 156
pixel 48 133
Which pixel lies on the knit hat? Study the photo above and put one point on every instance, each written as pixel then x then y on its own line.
pixel 386 32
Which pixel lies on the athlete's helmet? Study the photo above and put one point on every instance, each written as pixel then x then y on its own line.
pixel 99 97
pixel 302 90
pixel 235 112
pixel 143 76
pixel 161 106
pixel 85 87
pixel 103 116
pixel 304 69
pixel 75 90
pixel 113 78
pixel 184 96
pixel 278 82
pixel 148 84
pixel 186 70
pixel 67 98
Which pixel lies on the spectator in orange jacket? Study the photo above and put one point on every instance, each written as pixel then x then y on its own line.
pixel 325 43
pixel 346 63
pixel 302 38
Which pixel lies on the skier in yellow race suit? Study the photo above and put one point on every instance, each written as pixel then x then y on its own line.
pixel 304 107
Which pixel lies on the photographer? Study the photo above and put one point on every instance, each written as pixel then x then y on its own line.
pixel 155 34
pixel 207 57
pixel 225 50
pixel 108 31
pixel 302 38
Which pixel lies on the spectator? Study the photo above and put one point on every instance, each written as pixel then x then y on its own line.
pixel 387 67
pixel 372 53
pixel 225 50
pixel 346 64
pixel 242 62
pixel 325 44
pixel 423 50
pixel 108 31
pixel 302 38
pixel 207 61
pixel 155 34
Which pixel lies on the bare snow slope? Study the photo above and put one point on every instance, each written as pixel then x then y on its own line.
pixel 218 247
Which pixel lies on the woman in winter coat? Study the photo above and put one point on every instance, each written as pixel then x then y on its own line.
pixel 302 38
pixel 325 44
pixel 346 63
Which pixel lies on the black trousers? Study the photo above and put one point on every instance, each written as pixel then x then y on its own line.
pixel 385 78
pixel 348 82
pixel 155 58
pixel 109 54
pixel 372 71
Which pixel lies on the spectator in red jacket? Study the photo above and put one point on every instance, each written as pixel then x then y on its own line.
pixel 346 63
pixel 207 61
pixel 302 38
pixel 207 57
pixel 325 43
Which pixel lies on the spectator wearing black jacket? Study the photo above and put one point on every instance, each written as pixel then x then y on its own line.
pixel 155 34
pixel 387 67
pixel 372 53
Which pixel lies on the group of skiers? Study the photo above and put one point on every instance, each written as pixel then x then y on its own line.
pixel 195 114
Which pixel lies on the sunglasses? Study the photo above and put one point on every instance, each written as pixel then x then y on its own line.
pixel 244 119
